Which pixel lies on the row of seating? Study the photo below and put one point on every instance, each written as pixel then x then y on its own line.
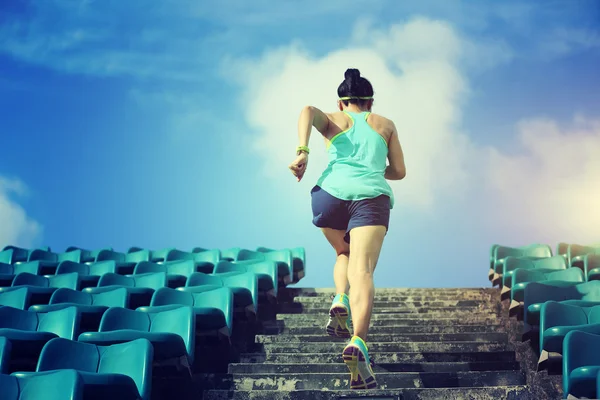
pixel 290 262
pixel 101 335
pixel 559 306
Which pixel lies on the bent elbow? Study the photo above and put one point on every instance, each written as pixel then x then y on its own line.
pixel 401 174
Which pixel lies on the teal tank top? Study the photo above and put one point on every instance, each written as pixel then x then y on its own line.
pixel 357 163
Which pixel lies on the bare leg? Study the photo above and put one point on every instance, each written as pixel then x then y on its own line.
pixel 365 247
pixel 340 270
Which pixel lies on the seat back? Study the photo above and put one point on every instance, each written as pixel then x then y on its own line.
pixel 594 315
pixel 117 297
pixel 112 279
pixel 566 275
pixel 66 295
pixel 13 318
pixel 167 296
pixel 5 349
pixel 51 385
pixel 18 297
pixel 74 256
pixel 60 353
pixel 117 318
pixel 154 280
pixel 554 262
pixel 27 279
pixel 146 267
pixel 67 267
pixel 184 267
pixel 103 267
pixel 201 279
pixel 41 255
pixel 133 359
pixel 227 266
pixel 70 281
pixel 106 255
pixel 512 263
pixel 180 321
pixel 6 269
pixel 212 256
pixel 138 256
pixel 64 323
pixel 29 267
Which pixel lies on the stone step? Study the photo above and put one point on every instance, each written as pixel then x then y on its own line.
pixel 300 308
pixel 518 392
pixel 312 302
pixel 340 368
pixel 299 320
pixel 337 347
pixel 312 292
pixel 385 380
pixel 488 337
pixel 462 355
pixel 319 329
pixel 465 316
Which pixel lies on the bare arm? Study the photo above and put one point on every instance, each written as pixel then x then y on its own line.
pixel 396 170
pixel 309 117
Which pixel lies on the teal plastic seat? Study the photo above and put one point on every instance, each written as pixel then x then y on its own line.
pixel 522 277
pixel 171 332
pixel 16 297
pixel 13 254
pixel 213 308
pixel 177 271
pixel 298 261
pixel 513 263
pixel 557 319
pixel 5 349
pixel 89 274
pixel 283 259
pixel 6 274
pixel 29 331
pixel 87 256
pixel 533 251
pixel 47 259
pixel 159 255
pixel 581 364
pixel 137 256
pixel 230 254
pixel 243 285
pixel 203 262
pixel 591 266
pixel 91 306
pixel 52 385
pixel 117 372
pixel 42 287
pixel 212 256
pixel 140 287
pixel 124 266
pixel 575 251
pixel 9 271
pixel 266 271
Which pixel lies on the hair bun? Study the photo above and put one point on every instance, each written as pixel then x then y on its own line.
pixel 352 74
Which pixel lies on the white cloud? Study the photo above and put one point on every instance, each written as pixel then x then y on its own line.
pixel 16 227
pixel 545 188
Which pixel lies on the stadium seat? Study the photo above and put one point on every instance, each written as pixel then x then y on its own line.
pixel 557 319
pixel 517 308
pixel 9 271
pixel 522 277
pixel 512 263
pixel 533 251
pixel 537 293
pixel 283 258
pixel 6 274
pixel 87 256
pixel 575 251
pixel 298 260
pixel 266 272
pixel 117 372
pixel 5 349
pixel 591 266
pixel 171 332
pixel 89 274
pixel 42 287
pixel 177 271
pixel 16 297
pixel 29 331
pixel 581 364
pixel 13 254
pixel 52 385
pixel 138 256
pixel 230 254
pixel 213 308
pixel 159 256
pixel 243 285
pixel 90 305
pixel 140 287
pixel 47 259
pixel 202 262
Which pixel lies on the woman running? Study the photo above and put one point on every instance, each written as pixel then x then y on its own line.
pixel 351 203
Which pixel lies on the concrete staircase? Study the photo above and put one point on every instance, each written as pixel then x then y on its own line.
pixel 426 344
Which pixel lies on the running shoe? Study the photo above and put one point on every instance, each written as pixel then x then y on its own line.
pixel 339 316
pixel 356 357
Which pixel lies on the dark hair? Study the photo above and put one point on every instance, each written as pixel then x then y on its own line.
pixel 355 85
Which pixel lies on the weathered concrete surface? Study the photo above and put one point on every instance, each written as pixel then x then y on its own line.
pixel 426 344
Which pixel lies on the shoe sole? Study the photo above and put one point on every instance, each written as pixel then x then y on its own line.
pixel 361 374
pixel 338 322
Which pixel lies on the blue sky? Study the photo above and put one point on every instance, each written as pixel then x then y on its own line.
pixel 124 123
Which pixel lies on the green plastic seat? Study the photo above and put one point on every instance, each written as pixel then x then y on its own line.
pixel 533 251
pixel 213 308
pixel 537 293
pixel 137 256
pixel 581 364
pixel 283 258
pixel 140 287
pixel 591 266
pixel 299 260
pixel 513 263
pixel 243 285
pixel 5 349
pixel 86 256
pixel 159 255
pixel 42 287
pixel 9 271
pixel 47 259
pixel 171 332
pixel 89 274
pixel 557 319
pixel 117 372
pixel 6 274
pixel 91 306
pixel 203 261
pixel 13 254
pixel 16 297
pixel 29 331
pixel 522 277
pixel 52 385
pixel 177 271
pixel 266 272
